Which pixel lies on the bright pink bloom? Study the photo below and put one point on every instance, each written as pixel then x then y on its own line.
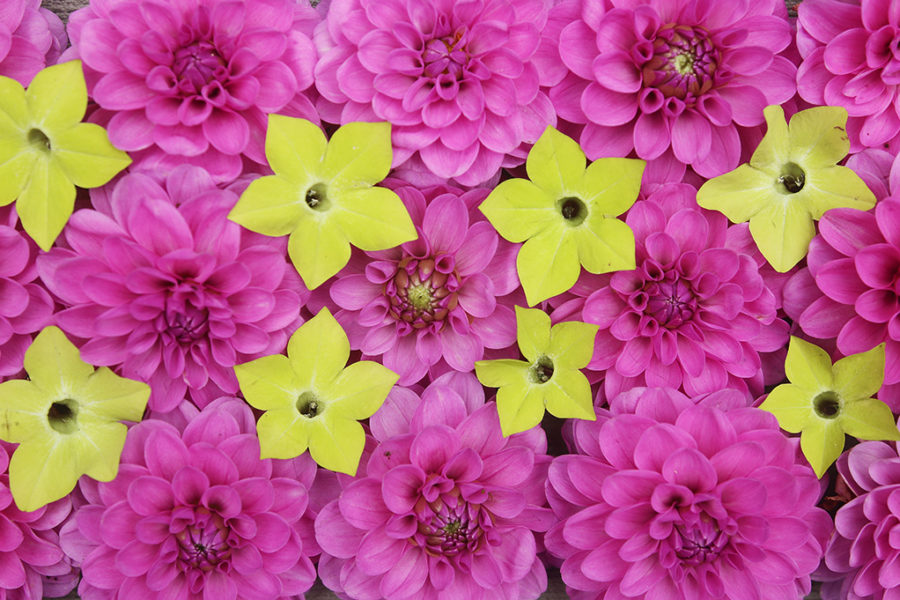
pixel 863 552
pixel 649 75
pixel 192 82
pixel 25 306
pixel 673 500
pixel 436 302
pixel 851 290
pixel 29 545
pixel 443 507
pixel 455 79
pixel 31 38
pixel 196 514
pixel 163 286
pixel 851 59
pixel 694 314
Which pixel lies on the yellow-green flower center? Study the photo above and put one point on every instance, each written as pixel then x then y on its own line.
pixel 317 197
pixel 63 416
pixel 419 296
pixel 792 178
pixel 573 210
pixel 542 370
pixel 683 63
pixel 308 405
pixel 39 140
pixel 827 405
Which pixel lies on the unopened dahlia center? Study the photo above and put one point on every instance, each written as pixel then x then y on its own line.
pixel 198 64
pixel 684 62
pixel 445 55
pixel 420 294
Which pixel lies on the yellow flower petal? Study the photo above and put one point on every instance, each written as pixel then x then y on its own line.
pixel 739 194
pixel 46 203
pixel 86 155
pixel 548 264
pixel 808 366
pixel 869 419
pixel 859 375
pixel 41 472
pixel 835 187
pixel 269 383
pixel 98 453
pixel 572 344
pixel 373 218
pixel 568 396
pixel 556 163
pixel 791 405
pixel 106 396
pixel 818 136
pixel 13 109
pixel 321 348
pixel 336 443
pixel 775 148
pixel 532 332
pixel 782 232
pixel 611 185
pixel 282 433
pixel 605 244
pixel 295 149
pixel 519 210
pixel 822 442
pixel 270 205
pixel 520 407
pixel 501 372
pixel 57 97
pixel 358 154
pixel 318 249
pixel 54 364
pixel 360 389
pixel 23 411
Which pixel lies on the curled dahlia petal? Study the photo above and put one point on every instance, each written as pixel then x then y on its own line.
pixel 167 290
pixel 31 38
pixel 671 497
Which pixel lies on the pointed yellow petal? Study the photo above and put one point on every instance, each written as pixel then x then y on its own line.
pixel 869 419
pixel 791 405
pixel 611 185
pixel 16 167
pixel 106 396
pixel 360 389
pixel 556 163
pixel 519 210
pixel 818 136
pixel 46 203
pixel 808 366
pixel 318 249
pixel 336 443
pixel 520 407
pixel 295 149
pixel 822 442
pixel 98 452
pixel 500 372
pixel 605 245
pixel 270 205
pixel 321 348
pixel 57 97
pixel 358 154
pixel 13 109
pixel 41 472
pixel 572 344
pixel 775 148
pixel 23 410
pixel 86 156
pixel 739 194
pixel 548 264
pixel 860 375
pixel 569 396
pixel 782 233
pixel 282 433
pixel 269 382
pixel 373 218
pixel 532 332
pixel 835 187
pixel 54 364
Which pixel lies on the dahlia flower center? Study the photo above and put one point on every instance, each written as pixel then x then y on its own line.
pixel 308 405
pixel 671 303
pixel 197 64
pixel 317 197
pixel 39 140
pixel 542 370
pixel 423 292
pixel 699 543
pixel 792 179
pixel 205 543
pixel 683 63
pixel 445 55
pixel 573 210
pixel 451 530
pixel 63 416
pixel 827 405
pixel 186 323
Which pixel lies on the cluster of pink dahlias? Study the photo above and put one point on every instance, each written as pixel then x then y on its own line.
pixel 682 487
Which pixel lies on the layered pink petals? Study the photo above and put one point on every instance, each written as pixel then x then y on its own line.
pixel 167 290
pixel 31 38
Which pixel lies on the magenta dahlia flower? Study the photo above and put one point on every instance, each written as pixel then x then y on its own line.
pixel 192 82
pixel 455 79
pixel 168 290
pixel 694 314
pixel 31 38
pixel 25 306
pixel 30 553
pixel 444 507
pixel 435 302
pixel 863 552
pixel 851 59
pixel 650 75
pixel 674 500
pixel 850 290
pixel 196 515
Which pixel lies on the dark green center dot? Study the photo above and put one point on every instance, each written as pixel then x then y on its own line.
pixel 63 416
pixel 573 210
pixel 792 178
pixel 317 197
pixel 308 405
pixel 39 139
pixel 542 370
pixel 827 405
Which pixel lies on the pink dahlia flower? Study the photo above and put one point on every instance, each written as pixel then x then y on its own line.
pixel 25 306
pixel 851 290
pixel 694 314
pixel 851 59
pixel 455 79
pixel 443 507
pixel 30 553
pixel 196 514
pixel 192 82
pixel 435 302
pixel 168 290
pixel 676 501
pixel 31 38
pixel 649 75
pixel 862 551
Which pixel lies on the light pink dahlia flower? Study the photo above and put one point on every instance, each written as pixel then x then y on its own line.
pixel 672 500
pixel 851 59
pixel 196 515
pixel 445 506
pixel 694 314
pixel 455 79
pixel 31 38
pixel 25 306
pixel 649 75
pixel 169 291
pixel 30 553
pixel 436 302
pixel 188 82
